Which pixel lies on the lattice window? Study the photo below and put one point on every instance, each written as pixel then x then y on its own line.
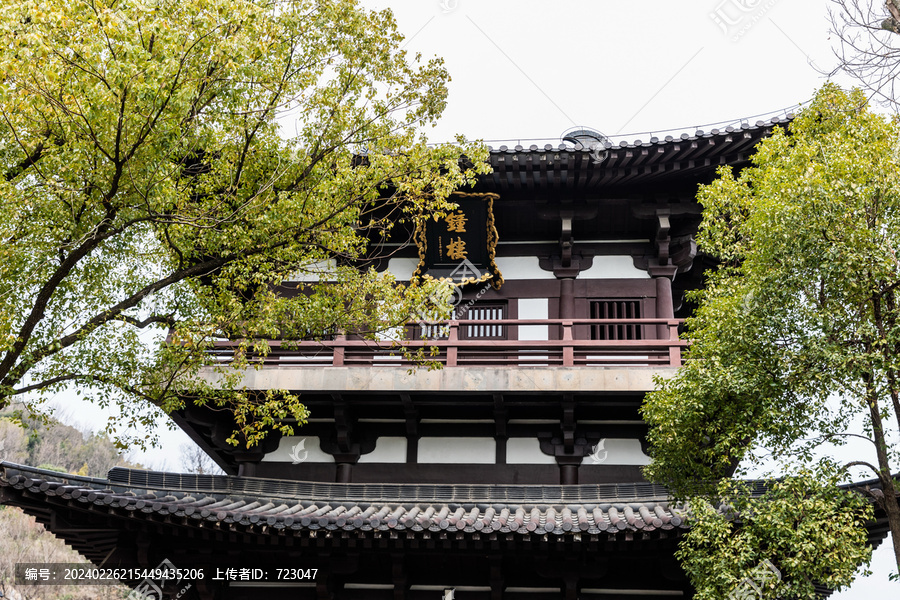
pixel 487 312
pixel 616 309
pixel 479 311
pixel 428 331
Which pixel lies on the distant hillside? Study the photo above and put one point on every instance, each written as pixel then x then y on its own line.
pixel 50 445
pixel 54 445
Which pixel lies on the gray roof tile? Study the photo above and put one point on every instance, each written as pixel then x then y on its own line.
pixel 541 510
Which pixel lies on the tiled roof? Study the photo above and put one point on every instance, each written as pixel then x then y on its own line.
pixel 289 505
pixel 652 140
pixel 611 166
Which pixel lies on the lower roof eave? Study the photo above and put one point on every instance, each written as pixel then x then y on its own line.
pixel 265 506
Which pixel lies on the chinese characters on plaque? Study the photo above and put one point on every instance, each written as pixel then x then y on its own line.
pixel 461 244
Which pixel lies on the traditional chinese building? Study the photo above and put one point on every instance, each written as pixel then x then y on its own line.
pixel 513 472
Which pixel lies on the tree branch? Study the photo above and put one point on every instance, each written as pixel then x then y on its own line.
pixel 164 319
pixel 861 463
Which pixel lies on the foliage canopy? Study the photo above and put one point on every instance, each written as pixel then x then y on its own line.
pixel 167 163
pixel 796 341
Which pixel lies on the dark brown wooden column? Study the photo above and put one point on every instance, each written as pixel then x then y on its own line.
pixel 247 462
pixel 566 298
pixel 568 474
pixel 665 308
pixel 399 576
pixel 344 473
pixel 497 580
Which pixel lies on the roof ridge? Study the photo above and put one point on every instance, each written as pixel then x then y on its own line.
pixel 653 140
pixel 450 493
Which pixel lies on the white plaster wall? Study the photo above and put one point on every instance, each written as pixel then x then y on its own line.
pixel 613 267
pixel 314 454
pixel 522 267
pixel 387 450
pixel 533 308
pixel 526 451
pixel 446 450
pixel 402 268
pixel 528 267
pixel 618 451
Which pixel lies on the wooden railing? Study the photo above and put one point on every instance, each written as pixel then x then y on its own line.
pixel 662 347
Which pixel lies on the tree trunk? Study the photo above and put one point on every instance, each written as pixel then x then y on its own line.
pixel 892 508
pixel 889 502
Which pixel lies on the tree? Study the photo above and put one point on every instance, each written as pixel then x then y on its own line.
pixel 167 164
pixel 12 441
pixel 195 460
pixel 795 346
pixel 868 49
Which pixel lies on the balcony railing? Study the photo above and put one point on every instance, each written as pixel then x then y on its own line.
pixel 661 346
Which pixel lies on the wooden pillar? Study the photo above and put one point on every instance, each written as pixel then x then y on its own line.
pixel 247 463
pixel 568 350
pixel 399 576
pixel 344 473
pixel 568 474
pixel 665 308
pixel 570 582
pixel 452 340
pixel 497 581
pixel 338 350
pixel 566 298
pixel 325 587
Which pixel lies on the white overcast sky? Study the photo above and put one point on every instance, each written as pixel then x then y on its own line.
pixel 533 69
pixel 529 69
